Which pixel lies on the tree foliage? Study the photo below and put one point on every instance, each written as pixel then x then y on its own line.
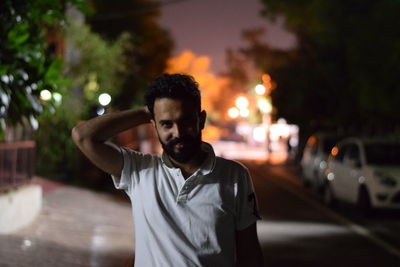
pixel 100 66
pixel 151 44
pixel 345 69
pixel 93 66
pixel 57 156
pixel 26 64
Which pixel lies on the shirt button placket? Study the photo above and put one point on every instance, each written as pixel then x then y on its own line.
pixel 184 190
pixel 182 197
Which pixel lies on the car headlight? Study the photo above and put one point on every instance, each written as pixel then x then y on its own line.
pixel 385 179
pixel 330 176
pixel 323 165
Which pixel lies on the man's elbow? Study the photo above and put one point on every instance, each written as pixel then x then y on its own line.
pixel 78 135
pixel 75 134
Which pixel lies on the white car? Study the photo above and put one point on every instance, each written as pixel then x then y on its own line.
pixel 314 160
pixel 365 172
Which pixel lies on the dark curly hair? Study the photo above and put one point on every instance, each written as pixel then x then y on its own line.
pixel 176 86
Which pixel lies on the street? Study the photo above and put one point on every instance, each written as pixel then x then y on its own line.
pixel 78 227
pixel 297 230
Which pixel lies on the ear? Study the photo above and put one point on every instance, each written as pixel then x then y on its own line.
pixel 203 116
pixel 153 123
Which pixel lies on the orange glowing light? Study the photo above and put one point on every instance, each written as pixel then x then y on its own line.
pixel 266 78
pixel 312 140
pixel 211 133
pixel 268 83
pixel 335 151
pixel 213 88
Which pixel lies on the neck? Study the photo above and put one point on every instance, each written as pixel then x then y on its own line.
pixel 188 168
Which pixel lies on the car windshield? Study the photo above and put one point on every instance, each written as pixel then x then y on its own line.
pixel 383 154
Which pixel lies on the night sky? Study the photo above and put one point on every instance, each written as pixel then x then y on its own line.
pixel 209 27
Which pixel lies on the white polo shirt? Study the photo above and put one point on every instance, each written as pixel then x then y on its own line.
pixel 192 222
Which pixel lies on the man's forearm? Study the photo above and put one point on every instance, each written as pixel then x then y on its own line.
pixel 104 127
pixel 248 248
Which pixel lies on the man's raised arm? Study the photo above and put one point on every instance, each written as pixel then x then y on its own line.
pixel 91 137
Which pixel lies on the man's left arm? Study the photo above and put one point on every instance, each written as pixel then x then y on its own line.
pixel 248 250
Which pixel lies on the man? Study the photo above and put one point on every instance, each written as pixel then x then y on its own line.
pixel 190 207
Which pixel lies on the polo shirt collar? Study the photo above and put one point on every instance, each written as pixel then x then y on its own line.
pixel 207 166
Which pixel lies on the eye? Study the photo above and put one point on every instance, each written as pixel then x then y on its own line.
pixel 166 124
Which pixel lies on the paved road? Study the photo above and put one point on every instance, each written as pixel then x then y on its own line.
pixel 297 230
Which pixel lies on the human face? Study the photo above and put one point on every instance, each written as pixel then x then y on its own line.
pixel 178 126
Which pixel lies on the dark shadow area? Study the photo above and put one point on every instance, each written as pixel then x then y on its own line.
pixel 328 251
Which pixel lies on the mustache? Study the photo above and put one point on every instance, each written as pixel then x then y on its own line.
pixel 184 139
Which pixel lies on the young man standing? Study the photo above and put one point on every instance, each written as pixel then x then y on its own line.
pixel 190 207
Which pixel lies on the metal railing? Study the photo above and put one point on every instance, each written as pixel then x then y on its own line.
pixel 16 163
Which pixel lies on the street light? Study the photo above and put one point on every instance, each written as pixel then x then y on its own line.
pixel 233 113
pixel 260 89
pixel 104 99
pixel 259 134
pixel 264 105
pixel 242 102
pixel 244 112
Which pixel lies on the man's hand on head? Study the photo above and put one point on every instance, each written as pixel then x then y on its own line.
pixel 91 137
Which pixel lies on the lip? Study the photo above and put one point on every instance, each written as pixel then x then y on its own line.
pixel 179 145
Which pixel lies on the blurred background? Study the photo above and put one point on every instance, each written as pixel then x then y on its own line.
pixel 272 74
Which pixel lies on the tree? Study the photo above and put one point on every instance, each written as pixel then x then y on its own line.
pixel 151 45
pixel 99 68
pixel 345 68
pixel 26 62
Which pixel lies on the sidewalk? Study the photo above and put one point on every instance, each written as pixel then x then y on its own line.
pixel 76 227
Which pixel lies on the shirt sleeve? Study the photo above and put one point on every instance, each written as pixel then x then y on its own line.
pixel 133 162
pixel 246 202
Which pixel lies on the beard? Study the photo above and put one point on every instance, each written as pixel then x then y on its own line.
pixel 191 146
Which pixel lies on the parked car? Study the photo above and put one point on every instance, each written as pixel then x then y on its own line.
pixel 365 172
pixel 314 160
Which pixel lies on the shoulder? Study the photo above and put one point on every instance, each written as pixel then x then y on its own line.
pixel 232 165
pixel 139 158
pixel 229 163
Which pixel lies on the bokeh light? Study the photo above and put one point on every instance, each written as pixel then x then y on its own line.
pixel 264 105
pixel 104 99
pixel 244 112
pixel 242 102
pixel 45 95
pixel 233 113
pixel 260 89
